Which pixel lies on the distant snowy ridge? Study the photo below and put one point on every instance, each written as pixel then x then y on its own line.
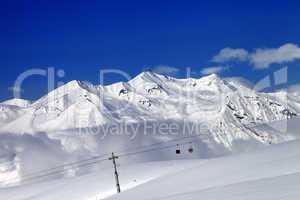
pixel 227 107
pixel 62 124
pixel 22 103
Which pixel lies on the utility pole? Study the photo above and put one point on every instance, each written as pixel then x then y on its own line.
pixel 113 158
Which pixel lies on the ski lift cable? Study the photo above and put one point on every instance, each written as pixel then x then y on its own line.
pixel 94 158
pixel 79 163
pixel 74 164
pixel 122 150
pixel 27 177
pixel 165 142
pixel 33 176
pixel 154 149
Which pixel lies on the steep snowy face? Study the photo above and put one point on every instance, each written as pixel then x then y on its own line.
pixel 188 99
pixel 74 105
pixel 227 108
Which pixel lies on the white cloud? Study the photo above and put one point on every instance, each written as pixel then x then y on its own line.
pixel 260 58
pixel 212 70
pixel 263 58
pixel 228 54
pixel 165 69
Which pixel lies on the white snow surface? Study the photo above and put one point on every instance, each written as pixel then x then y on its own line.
pixel 267 173
pixel 17 102
pixel 271 173
pixel 76 121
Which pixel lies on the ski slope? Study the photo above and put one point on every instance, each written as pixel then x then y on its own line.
pixel 97 185
pixel 268 173
pixel 285 187
pixel 272 173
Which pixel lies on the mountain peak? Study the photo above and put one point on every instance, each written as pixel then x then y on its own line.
pixel 73 84
pixel 212 76
pixel 146 76
pixel 147 73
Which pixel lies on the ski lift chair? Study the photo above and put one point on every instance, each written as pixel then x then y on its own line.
pixel 191 149
pixel 178 150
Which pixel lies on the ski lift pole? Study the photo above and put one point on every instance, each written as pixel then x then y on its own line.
pixel 113 158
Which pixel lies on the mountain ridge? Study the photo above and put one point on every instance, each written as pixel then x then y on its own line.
pixel 150 96
pixel 78 119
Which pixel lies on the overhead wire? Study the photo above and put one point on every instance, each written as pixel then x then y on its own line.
pixel 48 173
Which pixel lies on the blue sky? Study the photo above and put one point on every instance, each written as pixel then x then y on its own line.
pixel 82 37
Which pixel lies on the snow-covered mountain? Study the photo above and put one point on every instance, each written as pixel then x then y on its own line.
pixel 226 107
pixel 77 120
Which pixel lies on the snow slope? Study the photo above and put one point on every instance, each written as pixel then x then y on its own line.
pixel 17 102
pixel 76 121
pixel 12 109
pixel 98 185
pixel 268 173
pixel 271 173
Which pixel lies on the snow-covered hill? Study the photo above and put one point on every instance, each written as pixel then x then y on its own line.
pixel 268 173
pixel 79 120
